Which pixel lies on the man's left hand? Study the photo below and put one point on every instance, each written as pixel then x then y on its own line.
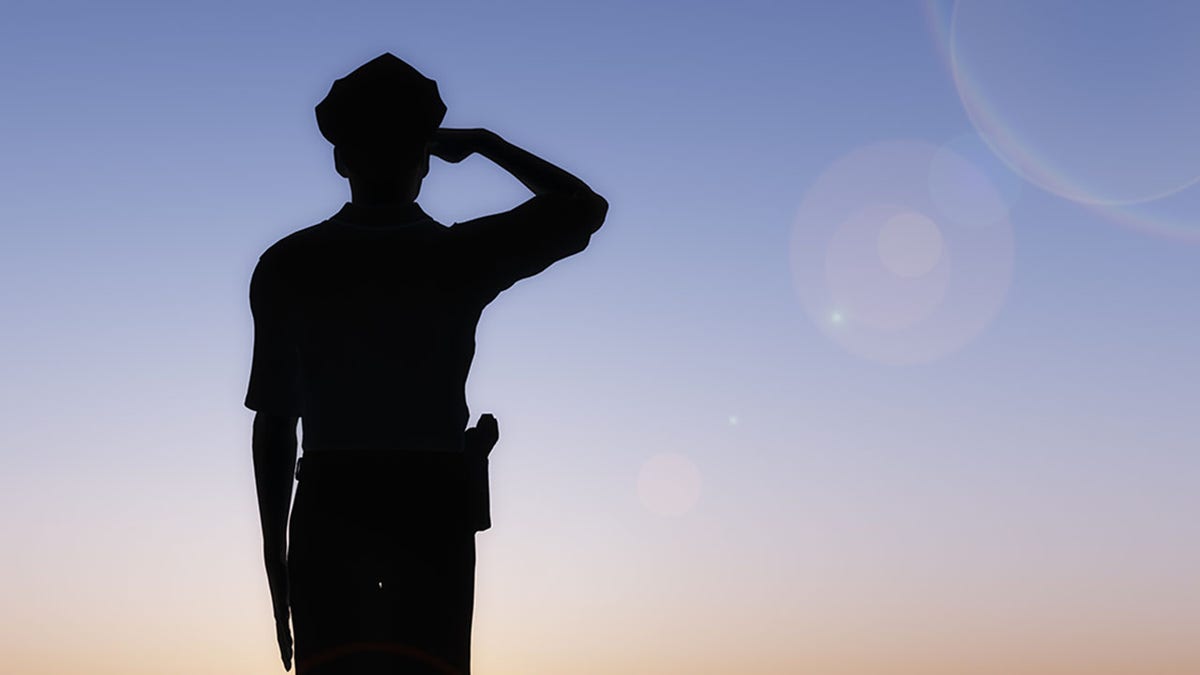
pixel 277 578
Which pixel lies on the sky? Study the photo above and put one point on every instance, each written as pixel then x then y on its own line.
pixel 882 364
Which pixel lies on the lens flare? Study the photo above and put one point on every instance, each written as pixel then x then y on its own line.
pixel 1093 114
pixel 881 279
pixel 1093 103
pixel 901 251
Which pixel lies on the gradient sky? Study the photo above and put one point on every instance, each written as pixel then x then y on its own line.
pixel 729 442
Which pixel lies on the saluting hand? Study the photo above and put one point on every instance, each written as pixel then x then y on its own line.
pixel 455 145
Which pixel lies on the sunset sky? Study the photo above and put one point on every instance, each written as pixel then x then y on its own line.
pixel 884 363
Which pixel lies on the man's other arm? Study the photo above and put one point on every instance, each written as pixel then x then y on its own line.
pixel 273 393
pixel 274 447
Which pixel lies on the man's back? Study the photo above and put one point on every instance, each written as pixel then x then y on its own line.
pixel 380 321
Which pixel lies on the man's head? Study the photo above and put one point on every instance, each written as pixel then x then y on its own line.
pixel 380 119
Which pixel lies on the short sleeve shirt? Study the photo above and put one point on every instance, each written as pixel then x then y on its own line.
pixel 365 323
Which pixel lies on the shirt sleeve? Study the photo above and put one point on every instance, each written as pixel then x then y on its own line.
pixel 503 248
pixel 275 370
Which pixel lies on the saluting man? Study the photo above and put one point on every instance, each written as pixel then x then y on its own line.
pixel 364 328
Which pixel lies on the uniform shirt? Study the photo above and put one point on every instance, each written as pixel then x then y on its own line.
pixel 364 324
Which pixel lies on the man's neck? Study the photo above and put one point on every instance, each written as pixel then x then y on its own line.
pixel 383 194
pixel 391 213
pixel 375 201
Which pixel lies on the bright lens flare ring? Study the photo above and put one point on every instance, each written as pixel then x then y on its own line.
pixel 1038 167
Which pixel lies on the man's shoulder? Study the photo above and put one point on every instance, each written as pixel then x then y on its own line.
pixel 298 244
pixel 334 245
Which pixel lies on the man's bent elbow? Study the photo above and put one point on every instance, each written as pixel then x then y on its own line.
pixel 593 210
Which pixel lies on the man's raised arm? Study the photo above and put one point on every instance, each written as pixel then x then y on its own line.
pixel 567 193
pixel 558 221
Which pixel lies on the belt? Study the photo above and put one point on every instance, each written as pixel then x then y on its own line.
pixel 456 478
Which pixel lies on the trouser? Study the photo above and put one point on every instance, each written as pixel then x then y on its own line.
pixel 381 565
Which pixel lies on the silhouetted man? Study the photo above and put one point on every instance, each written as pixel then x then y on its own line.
pixel 365 329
